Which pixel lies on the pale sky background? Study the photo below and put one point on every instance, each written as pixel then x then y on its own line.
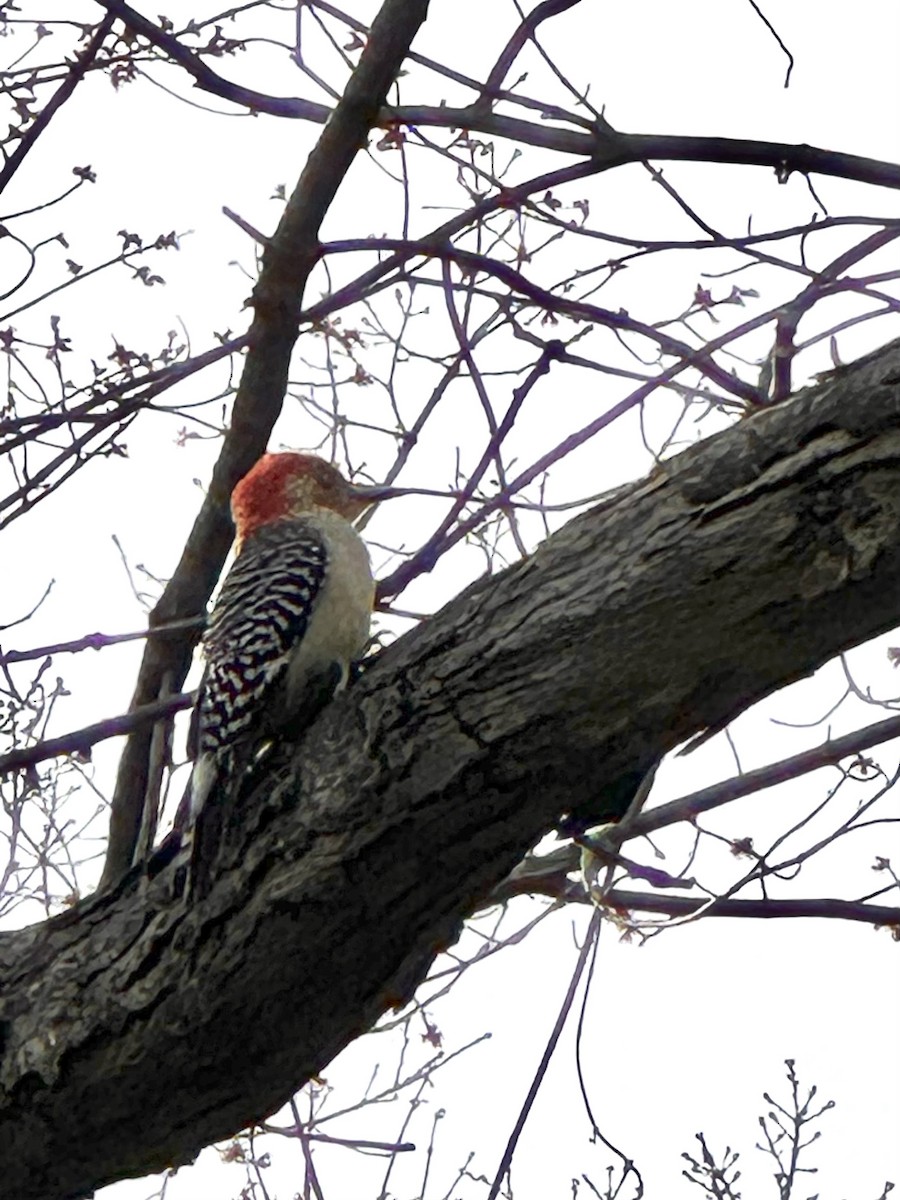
pixel 686 1032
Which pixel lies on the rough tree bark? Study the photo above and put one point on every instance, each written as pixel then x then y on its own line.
pixel 137 1028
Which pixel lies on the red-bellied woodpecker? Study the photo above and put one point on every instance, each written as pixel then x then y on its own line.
pixel 293 612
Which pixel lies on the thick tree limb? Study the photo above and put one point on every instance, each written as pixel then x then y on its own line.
pixel 135 1028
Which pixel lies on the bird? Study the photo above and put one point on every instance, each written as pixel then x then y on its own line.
pixel 293 613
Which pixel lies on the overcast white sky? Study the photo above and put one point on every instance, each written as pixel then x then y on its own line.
pixel 683 1033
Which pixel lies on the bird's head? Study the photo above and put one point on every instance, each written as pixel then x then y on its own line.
pixel 291 484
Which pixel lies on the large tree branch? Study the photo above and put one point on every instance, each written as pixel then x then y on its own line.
pixel 136 1028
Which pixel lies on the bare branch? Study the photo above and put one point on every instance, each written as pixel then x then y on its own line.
pixel 98 641
pixel 686 808
pixel 84 60
pixel 205 78
pixel 607 147
pixel 80 741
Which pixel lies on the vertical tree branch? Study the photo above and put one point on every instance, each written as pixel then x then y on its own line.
pixel 277 300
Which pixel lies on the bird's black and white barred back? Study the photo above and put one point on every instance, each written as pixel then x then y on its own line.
pixel 261 616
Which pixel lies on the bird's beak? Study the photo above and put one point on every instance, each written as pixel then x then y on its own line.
pixel 372 493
